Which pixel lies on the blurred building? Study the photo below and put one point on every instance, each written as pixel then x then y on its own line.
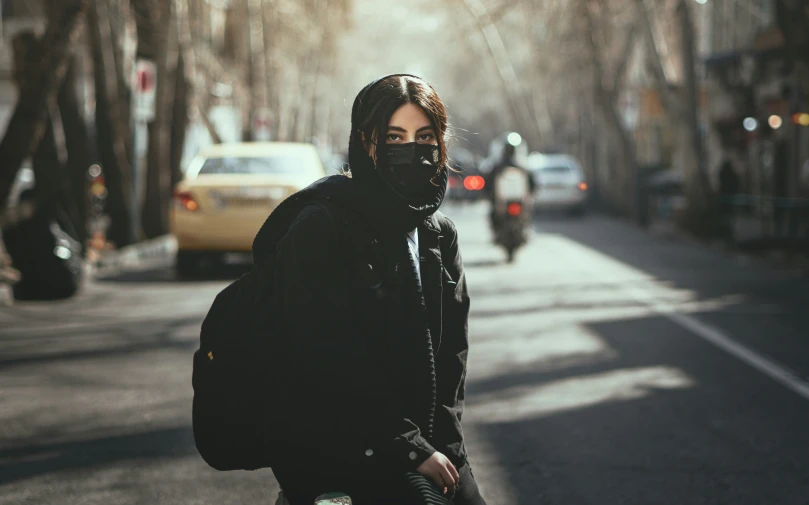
pixel 754 95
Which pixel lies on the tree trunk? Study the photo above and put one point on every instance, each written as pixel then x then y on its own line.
pixel 117 68
pixel 683 112
pixel 78 154
pixel 111 128
pixel 624 192
pixel 54 197
pixel 48 172
pixel 256 23
pixel 179 120
pixel 305 96
pixel 158 171
pixel 697 186
pixel 793 20
pixel 26 127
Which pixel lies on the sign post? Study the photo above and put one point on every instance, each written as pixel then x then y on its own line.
pixel 144 96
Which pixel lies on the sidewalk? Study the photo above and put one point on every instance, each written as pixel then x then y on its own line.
pixel 8 276
pixel 772 251
pixel 149 254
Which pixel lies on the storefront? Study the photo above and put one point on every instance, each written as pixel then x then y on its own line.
pixel 760 123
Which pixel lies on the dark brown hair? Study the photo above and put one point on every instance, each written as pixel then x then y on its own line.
pixel 376 104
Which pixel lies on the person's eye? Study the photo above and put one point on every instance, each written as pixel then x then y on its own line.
pixel 394 137
pixel 426 137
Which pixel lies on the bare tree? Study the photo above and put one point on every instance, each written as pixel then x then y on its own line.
pixel 77 144
pixel 43 80
pixel 682 107
pixel 111 122
pixel 605 91
pixel 157 41
pixel 509 80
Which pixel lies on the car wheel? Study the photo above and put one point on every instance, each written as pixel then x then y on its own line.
pixel 188 264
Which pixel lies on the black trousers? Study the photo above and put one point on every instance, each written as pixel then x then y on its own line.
pixel 411 488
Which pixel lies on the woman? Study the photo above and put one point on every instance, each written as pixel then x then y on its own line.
pixel 372 286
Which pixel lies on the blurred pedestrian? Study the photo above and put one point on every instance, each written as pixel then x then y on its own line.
pixel 729 187
pixel 803 193
pixel 48 258
pixel 376 308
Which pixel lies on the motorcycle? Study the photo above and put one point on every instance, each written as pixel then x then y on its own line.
pixel 512 233
pixel 512 210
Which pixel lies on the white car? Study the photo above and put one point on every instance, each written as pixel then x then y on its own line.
pixel 560 183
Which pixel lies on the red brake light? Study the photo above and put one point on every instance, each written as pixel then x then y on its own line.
pixel 514 209
pixel 583 186
pixel 474 183
pixel 183 199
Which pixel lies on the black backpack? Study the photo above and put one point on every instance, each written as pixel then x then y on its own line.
pixel 231 370
pixel 238 370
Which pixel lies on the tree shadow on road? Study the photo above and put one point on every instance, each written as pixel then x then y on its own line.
pixel 665 420
pixel 681 263
pixel 145 336
pixel 21 463
pixel 168 275
pixel 710 275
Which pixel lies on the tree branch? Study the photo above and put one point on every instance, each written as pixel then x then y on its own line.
pixel 25 129
pixel 657 60
pixel 625 57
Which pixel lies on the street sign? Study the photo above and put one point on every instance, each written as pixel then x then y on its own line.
pixel 262 124
pixel 629 105
pixel 145 90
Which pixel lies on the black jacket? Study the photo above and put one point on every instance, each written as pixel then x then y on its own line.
pixel 344 409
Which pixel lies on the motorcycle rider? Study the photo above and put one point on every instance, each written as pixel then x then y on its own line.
pixel 497 194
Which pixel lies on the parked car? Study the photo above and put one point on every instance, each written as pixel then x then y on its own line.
pixel 227 193
pixel 465 181
pixel 560 183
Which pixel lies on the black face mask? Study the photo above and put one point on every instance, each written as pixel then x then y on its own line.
pixel 409 169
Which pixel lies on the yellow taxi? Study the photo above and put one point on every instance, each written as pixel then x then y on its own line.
pixel 227 193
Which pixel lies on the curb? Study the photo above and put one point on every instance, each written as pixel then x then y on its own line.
pixel 6 296
pixel 8 276
pixel 775 258
pixel 153 253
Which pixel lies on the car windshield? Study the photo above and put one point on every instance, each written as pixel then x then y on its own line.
pixel 555 170
pixel 263 165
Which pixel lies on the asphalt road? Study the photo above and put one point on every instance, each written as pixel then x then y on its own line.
pixel 608 366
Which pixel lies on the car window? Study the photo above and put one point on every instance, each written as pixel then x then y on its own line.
pixel 555 170
pixel 256 165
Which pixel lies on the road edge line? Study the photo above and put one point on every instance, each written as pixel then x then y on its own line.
pixel 767 366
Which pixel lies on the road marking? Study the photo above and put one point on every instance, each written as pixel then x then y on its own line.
pixel 767 366
pixel 718 338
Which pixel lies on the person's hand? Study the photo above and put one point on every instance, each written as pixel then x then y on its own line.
pixel 441 470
